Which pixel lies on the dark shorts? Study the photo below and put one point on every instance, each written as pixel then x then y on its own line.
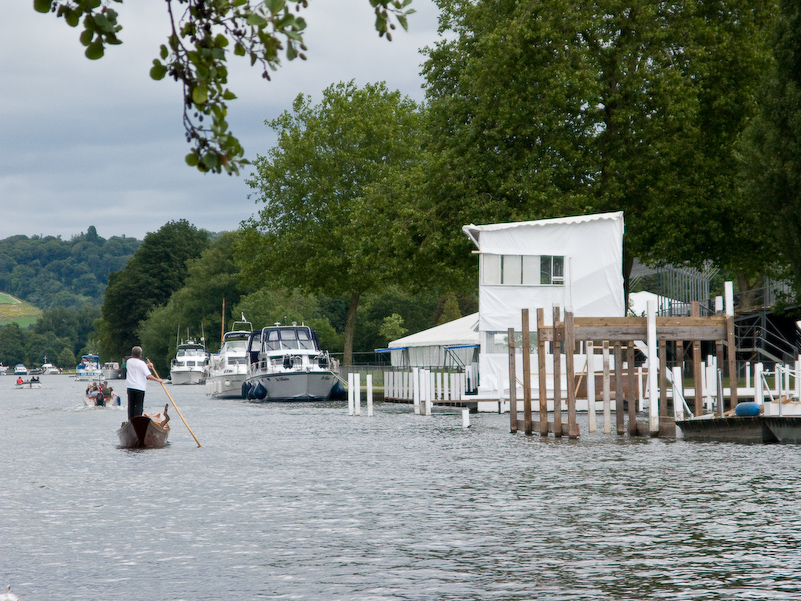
pixel 136 402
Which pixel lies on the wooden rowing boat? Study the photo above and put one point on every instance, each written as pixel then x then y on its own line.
pixel 145 431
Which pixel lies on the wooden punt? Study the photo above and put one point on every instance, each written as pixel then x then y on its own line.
pixel 147 431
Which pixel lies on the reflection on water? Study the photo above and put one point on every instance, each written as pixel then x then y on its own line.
pixel 304 502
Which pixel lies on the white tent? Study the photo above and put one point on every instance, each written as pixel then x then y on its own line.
pixel 573 262
pixel 435 347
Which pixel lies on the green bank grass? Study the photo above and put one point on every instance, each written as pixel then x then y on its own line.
pixel 13 310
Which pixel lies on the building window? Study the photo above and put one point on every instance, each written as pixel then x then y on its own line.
pixel 552 270
pixel 525 270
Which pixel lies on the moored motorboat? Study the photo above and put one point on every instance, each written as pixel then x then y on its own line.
pixel 89 368
pixel 145 431
pixel 50 370
pixel 285 363
pixel 228 367
pixel 189 364
pixel 111 371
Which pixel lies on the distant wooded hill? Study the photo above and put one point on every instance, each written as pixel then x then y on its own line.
pixel 49 272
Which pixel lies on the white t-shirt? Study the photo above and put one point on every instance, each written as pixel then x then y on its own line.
pixel 137 371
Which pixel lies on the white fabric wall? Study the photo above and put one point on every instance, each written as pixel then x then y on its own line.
pixel 593 251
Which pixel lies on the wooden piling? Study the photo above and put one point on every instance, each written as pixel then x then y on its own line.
pixel 526 373
pixel 695 311
pixel 632 392
pixel 619 411
pixel 558 335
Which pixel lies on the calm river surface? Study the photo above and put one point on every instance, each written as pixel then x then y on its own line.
pixel 302 501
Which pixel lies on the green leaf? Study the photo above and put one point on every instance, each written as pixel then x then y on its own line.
pixel 95 51
pixel 220 41
pixel 191 159
pixel 210 160
pixel 42 6
pixel 275 6
pixel 164 52
pixel 86 37
pixel 158 71
pixel 239 49
pixel 257 20
pixel 200 94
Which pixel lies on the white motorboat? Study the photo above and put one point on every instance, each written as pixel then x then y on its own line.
pixel 228 367
pixel 49 369
pixel 112 371
pixel 20 370
pixel 189 364
pixel 89 368
pixel 285 363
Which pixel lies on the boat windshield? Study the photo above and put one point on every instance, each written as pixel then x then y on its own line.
pixel 239 346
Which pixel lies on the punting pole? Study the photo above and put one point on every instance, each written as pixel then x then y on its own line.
pixel 173 402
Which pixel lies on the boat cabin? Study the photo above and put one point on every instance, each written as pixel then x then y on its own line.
pixel 276 339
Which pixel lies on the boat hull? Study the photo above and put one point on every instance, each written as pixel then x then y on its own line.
pixel 294 386
pixel 758 429
pixel 226 386
pixel 142 432
pixel 28 385
pixel 187 376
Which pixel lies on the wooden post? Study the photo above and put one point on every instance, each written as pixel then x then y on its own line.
pixel 699 392
pixel 512 382
pixel 558 335
pixel 619 417
pixel 632 396
pixel 732 354
pixel 607 392
pixel 591 386
pixel 529 426
pixel 572 428
pixel 542 373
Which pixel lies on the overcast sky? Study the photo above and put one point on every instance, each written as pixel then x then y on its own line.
pixel 99 143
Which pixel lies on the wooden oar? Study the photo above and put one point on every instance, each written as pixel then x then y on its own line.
pixel 173 402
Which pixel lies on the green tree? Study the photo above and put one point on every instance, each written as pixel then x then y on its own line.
pixel 66 359
pixel 319 230
pixel 771 150
pixel 204 35
pixel 211 278
pixel 546 109
pixel 392 328
pixel 12 350
pixel 158 269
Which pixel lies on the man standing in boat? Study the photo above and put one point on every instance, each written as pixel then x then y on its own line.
pixel 138 373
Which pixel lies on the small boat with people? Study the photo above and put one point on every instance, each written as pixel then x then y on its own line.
pixel 285 363
pixel 89 368
pixel 228 367
pixel 145 431
pixel 189 364
pixel 33 382
pixel 100 395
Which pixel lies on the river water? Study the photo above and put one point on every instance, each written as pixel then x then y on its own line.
pixel 302 501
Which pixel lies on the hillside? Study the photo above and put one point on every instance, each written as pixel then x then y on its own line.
pixel 14 310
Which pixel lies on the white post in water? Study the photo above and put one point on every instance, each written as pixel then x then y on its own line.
pixel 678 394
pixel 369 395
pixel 748 374
pixel 607 392
pixel 591 385
pixel 357 393
pixel 465 418
pixel 759 390
pixel 653 371
pixel 416 389
pixel 797 376
pixel 350 394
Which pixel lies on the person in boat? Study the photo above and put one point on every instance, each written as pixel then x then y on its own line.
pixel 20 380
pixel 107 393
pixel 138 373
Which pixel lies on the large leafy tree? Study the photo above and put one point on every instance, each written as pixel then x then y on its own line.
pixel 544 109
pixel 204 35
pixel 320 230
pixel 772 146
pixel 157 269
